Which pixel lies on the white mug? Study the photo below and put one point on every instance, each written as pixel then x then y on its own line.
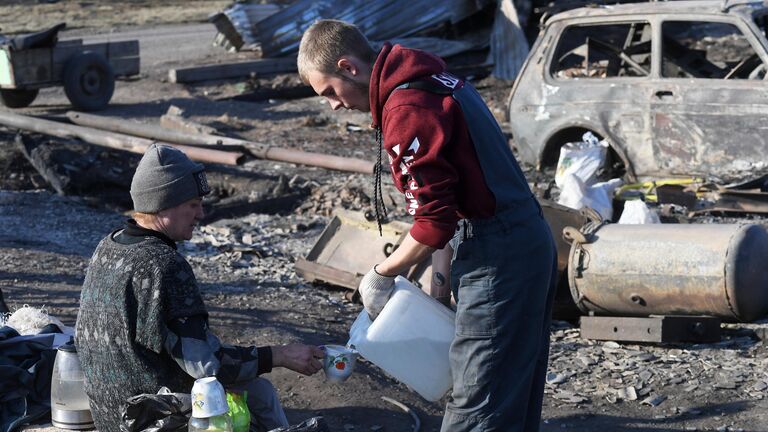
pixel 208 398
pixel 338 363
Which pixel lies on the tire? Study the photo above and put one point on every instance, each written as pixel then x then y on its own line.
pixel 18 98
pixel 89 81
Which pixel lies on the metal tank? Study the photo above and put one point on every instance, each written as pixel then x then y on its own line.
pixel 671 269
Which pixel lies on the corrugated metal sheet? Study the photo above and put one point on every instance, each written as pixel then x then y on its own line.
pixel 235 24
pixel 379 20
pixel 244 15
pixel 509 47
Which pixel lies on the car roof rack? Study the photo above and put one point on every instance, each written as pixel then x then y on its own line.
pixel 728 4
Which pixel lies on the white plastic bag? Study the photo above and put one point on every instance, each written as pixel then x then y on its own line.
pixel 637 212
pixel 576 195
pixel 581 159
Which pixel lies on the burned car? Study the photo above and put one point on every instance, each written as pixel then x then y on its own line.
pixel 677 88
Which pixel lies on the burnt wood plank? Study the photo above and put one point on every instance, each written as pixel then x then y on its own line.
pixel 232 70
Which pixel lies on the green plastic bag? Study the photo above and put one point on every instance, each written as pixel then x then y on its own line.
pixel 238 411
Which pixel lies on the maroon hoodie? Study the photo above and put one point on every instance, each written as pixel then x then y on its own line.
pixel 432 158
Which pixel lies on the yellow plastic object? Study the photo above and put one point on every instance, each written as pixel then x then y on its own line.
pixel 648 188
pixel 238 411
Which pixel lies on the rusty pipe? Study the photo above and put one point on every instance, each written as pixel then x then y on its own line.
pixel 259 150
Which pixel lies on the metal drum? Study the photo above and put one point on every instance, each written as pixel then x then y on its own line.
pixel 671 269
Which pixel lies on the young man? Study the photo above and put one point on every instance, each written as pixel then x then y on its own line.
pixel 142 322
pixel 450 159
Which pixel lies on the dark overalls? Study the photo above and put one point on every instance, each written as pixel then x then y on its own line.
pixel 503 275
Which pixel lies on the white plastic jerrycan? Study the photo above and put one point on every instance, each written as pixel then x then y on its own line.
pixel 409 340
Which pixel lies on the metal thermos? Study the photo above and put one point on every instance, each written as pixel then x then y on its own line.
pixel 70 408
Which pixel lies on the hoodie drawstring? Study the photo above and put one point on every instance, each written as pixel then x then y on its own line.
pixel 378 199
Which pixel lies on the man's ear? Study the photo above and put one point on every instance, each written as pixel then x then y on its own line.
pixel 348 65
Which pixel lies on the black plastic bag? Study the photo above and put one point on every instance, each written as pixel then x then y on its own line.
pixel 164 412
pixel 315 424
pixel 3 307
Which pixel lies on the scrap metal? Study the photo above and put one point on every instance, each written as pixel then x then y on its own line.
pixel 664 329
pixel 235 24
pixel 259 150
pixel 280 33
pixel 509 46
pixel 735 201
pixel 671 269
pixel 350 245
pixel 657 125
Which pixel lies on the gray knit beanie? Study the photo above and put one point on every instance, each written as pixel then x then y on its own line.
pixel 166 178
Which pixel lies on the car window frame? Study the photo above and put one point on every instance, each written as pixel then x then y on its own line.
pixel 748 29
pixel 550 78
pixel 536 55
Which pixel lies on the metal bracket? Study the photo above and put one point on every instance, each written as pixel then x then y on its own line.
pixel 667 329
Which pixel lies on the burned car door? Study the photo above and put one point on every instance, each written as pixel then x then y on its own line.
pixel 710 108
pixel 597 80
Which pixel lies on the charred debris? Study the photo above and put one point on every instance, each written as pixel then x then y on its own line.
pixel 615 189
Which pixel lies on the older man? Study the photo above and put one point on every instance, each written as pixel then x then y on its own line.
pixel 142 321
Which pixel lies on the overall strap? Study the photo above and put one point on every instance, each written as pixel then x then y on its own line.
pixel 427 86
pixel 501 171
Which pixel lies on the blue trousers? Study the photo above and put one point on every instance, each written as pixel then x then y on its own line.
pixel 503 275
pixel 264 405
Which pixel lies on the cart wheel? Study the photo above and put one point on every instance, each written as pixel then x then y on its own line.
pixel 89 81
pixel 18 98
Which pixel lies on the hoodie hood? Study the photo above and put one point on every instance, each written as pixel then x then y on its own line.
pixel 394 66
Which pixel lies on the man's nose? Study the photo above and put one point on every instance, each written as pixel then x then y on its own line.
pixel 335 104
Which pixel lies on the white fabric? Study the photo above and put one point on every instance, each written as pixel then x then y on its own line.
pixel 637 212
pixel 576 195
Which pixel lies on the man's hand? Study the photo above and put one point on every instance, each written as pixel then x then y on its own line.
pixel 375 290
pixel 304 359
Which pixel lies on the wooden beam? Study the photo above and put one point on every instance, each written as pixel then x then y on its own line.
pixel 262 94
pixel 111 139
pixel 232 70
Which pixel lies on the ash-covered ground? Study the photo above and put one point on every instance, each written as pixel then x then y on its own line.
pixel 244 261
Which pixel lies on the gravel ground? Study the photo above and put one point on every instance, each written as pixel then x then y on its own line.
pixel 245 265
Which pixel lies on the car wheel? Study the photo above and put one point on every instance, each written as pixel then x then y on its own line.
pixel 89 81
pixel 551 152
pixel 18 98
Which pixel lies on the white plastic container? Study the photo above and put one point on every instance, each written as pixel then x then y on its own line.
pixel 409 340
pixel 208 398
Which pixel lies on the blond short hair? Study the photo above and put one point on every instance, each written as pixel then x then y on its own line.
pixel 326 41
pixel 144 218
